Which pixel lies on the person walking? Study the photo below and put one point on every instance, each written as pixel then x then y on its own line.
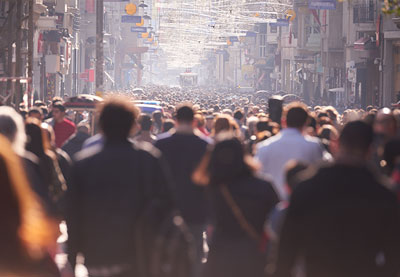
pixel 75 143
pixel 342 221
pixel 183 150
pixel 241 203
pixel 145 132
pixel 63 128
pixel 290 144
pixel 110 187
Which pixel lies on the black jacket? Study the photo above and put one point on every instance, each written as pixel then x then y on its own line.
pixel 343 222
pixel 183 152
pixel 75 143
pixel 105 197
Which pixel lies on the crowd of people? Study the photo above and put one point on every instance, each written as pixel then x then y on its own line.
pixel 221 183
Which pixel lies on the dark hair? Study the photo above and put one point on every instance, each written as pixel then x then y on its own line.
pixel 35 110
pixel 117 116
pixel 323 114
pixel 356 136
pixel 60 106
pixel 185 114
pixel 44 110
pixel 168 125
pixel 145 122
pixel 325 133
pixel 34 132
pixel 238 115
pixel 296 115
pixel 224 163
pixel 227 162
pixel 263 125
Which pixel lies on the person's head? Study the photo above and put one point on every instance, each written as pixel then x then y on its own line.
pixel 157 117
pixel 117 118
pixel 356 139
pixel 263 125
pixel 26 232
pixel 224 163
pixel 332 113
pixel 12 127
pixel 145 122
pixel 39 103
pixel 168 124
pixel 222 123
pixel 56 100
pixel 296 115
pixel 185 115
pixel 239 115
pixel 251 124
pixel 58 112
pixel 83 127
pixel 385 124
pixel 329 136
pixel 36 137
pixel 36 113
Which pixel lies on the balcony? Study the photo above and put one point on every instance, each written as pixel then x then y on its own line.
pixel 364 13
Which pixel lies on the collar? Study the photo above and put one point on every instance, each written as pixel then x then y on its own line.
pixel 184 129
pixel 291 132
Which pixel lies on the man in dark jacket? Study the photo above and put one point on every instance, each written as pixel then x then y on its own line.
pixel 108 192
pixel 342 221
pixel 183 151
pixel 74 144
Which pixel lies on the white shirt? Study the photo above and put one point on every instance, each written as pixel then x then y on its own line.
pixel 290 144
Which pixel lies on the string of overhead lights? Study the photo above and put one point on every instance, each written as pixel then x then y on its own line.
pixel 189 28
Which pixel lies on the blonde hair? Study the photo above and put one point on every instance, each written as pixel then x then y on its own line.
pixel 36 232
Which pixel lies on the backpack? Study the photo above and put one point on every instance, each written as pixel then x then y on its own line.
pixel 164 246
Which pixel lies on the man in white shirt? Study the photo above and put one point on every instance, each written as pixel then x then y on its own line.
pixel 290 144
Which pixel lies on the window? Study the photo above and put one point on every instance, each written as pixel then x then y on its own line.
pixel 273 29
pixel 263 46
pixel 364 13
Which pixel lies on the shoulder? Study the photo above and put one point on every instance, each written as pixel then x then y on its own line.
pixel 87 153
pixel 95 140
pixel 313 141
pixel 147 149
pixel 68 122
pixel 269 142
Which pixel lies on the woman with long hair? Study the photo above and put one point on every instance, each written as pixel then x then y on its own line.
pixel 39 145
pixel 26 234
pixel 241 203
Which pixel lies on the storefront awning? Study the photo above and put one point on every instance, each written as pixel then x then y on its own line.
pixel 362 44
